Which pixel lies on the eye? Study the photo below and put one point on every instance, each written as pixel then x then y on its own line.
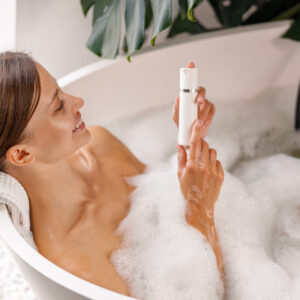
pixel 62 103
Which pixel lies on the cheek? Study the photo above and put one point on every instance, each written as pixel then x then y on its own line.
pixel 55 133
pixel 62 125
pixel 54 142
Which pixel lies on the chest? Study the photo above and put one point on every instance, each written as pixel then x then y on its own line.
pixel 106 178
pixel 86 248
pixel 108 200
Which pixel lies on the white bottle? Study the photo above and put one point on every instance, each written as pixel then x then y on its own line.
pixel 187 105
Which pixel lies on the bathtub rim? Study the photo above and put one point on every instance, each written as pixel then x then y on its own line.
pixel 11 234
pixel 16 243
pixel 91 68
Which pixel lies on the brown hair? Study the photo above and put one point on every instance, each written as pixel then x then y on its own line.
pixel 20 92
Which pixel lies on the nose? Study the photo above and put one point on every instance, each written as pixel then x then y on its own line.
pixel 77 104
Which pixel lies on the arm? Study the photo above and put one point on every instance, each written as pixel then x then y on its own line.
pixel 200 212
pixel 201 177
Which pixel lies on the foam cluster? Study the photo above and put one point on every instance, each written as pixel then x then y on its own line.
pixel 257 215
pixel 163 257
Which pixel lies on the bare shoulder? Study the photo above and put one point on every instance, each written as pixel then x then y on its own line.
pixel 104 142
pixel 99 133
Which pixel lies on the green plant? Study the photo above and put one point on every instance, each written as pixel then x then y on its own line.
pixel 104 40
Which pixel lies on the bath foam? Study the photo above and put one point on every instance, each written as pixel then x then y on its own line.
pixel 257 213
pixel 255 127
pixel 257 220
pixel 163 257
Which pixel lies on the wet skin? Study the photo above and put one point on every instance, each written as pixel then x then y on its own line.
pixel 84 247
pixel 76 186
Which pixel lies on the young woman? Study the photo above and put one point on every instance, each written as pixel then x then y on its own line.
pixel 74 176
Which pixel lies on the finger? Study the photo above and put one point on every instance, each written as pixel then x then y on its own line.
pixel 204 109
pixel 181 156
pixel 220 170
pixel 201 91
pixel 212 111
pixel 191 65
pixel 209 117
pixel 201 94
pixel 212 159
pixel 194 141
pixel 204 158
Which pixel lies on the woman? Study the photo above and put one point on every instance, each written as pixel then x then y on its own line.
pixel 74 176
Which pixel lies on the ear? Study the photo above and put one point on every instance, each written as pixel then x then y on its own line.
pixel 19 155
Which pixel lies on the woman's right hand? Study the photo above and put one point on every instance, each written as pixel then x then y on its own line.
pixel 200 175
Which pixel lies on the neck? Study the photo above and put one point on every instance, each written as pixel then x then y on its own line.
pixel 58 192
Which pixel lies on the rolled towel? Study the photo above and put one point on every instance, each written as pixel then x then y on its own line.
pixel 14 196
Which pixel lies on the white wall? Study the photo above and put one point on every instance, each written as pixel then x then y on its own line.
pixel 7 24
pixel 54 32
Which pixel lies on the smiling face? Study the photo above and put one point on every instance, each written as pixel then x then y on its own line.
pixel 50 132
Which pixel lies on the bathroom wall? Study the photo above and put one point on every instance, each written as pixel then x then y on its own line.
pixel 55 32
pixel 7 24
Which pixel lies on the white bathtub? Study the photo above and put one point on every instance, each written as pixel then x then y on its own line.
pixel 232 64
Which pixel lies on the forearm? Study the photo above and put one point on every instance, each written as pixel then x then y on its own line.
pixel 205 224
pixel 213 240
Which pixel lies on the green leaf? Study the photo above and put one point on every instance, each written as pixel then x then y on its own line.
pixel 291 12
pixel 185 25
pixel 182 5
pixel 186 7
pixel 105 37
pixel 230 12
pixel 269 10
pixel 124 47
pixel 86 5
pixel 149 14
pixel 294 31
pixel 191 5
pixel 135 24
pixel 162 15
pixel 100 8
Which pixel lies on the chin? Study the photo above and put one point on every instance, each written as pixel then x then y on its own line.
pixel 87 136
pixel 82 137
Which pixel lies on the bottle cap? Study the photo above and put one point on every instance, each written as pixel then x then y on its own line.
pixel 188 78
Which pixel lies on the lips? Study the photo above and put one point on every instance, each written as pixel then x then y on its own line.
pixel 78 119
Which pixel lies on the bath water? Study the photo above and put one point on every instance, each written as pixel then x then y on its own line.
pixel 257 215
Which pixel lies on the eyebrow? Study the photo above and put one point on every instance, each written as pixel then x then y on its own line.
pixel 54 96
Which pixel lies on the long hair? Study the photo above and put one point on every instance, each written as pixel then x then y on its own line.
pixel 20 91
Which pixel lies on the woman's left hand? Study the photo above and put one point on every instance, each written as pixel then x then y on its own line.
pixel 206 109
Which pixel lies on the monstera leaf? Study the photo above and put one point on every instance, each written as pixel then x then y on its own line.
pixel 162 17
pixel 104 40
pixel 135 25
pixel 185 20
pixel 294 31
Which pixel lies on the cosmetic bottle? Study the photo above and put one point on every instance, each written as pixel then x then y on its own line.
pixel 187 105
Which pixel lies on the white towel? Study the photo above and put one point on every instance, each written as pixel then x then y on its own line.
pixel 14 196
